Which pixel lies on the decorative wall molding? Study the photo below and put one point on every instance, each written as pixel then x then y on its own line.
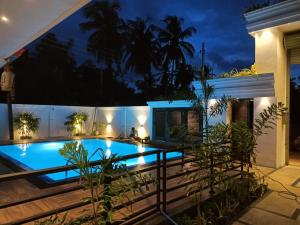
pixel 274 15
pixel 261 85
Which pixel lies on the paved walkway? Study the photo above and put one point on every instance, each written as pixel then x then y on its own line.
pixel 277 207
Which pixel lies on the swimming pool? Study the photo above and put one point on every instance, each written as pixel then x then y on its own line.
pixel 34 156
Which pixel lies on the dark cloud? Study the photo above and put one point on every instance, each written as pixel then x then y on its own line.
pixel 221 63
pixel 220 24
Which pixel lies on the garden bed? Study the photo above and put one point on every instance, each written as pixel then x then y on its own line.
pixel 225 207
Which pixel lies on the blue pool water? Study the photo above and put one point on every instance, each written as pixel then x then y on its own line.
pixel 46 155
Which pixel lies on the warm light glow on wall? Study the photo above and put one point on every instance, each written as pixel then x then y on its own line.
pixel 108 129
pixel 142 133
pixel 142 119
pixel 212 102
pixel 265 101
pixel 108 118
pixel 4 19
pixel 266 36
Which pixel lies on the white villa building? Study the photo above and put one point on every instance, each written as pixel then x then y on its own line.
pixel 276 30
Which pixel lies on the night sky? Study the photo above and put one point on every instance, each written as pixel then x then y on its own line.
pixel 219 23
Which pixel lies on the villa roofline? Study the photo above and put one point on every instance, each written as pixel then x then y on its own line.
pixel 245 87
pixel 22 28
pixel 260 85
pixel 274 15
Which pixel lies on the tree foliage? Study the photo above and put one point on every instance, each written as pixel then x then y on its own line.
pixel 26 123
pixel 75 122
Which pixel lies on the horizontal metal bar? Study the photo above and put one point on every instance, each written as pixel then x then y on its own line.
pixel 142 197
pixel 198 190
pixel 25 174
pixel 194 181
pixel 181 174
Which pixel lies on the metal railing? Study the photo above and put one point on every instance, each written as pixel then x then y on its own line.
pixel 160 192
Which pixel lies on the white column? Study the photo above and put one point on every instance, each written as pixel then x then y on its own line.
pixel 270 57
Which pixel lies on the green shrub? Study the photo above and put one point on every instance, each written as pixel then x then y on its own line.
pixel 75 122
pixel 26 124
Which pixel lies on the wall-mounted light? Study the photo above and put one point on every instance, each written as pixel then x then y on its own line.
pixel 265 101
pixel 142 132
pixel 142 119
pixel 108 118
pixel 108 128
pixel 4 19
pixel 266 35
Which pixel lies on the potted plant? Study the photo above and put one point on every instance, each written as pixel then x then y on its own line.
pixel 26 123
pixel 75 122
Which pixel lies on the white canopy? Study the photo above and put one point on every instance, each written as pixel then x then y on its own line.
pixel 23 21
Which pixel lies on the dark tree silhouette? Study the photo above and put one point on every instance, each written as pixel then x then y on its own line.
pixel 184 77
pixel 48 70
pixel 45 74
pixel 142 52
pixel 174 46
pixel 49 76
pixel 106 39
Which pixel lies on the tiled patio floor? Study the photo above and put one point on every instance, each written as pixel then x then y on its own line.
pixel 279 207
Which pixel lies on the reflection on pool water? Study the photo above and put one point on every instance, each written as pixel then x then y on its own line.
pixel 46 155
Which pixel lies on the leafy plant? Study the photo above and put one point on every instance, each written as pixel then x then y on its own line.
pixel 75 122
pixel 179 133
pixel 221 145
pixel 241 73
pixel 26 123
pixel 185 220
pixel 109 182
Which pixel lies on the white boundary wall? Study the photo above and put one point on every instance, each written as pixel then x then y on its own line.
pixel 52 119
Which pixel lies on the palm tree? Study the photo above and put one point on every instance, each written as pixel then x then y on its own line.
pixel 184 77
pixel 106 39
pixel 142 51
pixel 174 45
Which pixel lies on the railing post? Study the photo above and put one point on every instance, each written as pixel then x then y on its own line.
pixel 158 177
pixel 211 171
pixel 182 158
pixel 164 181
pixel 242 166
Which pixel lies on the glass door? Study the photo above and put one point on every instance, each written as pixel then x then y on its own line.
pixel 294 156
